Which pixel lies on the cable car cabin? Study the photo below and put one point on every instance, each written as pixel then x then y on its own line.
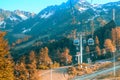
pixel 76 42
pixel 90 41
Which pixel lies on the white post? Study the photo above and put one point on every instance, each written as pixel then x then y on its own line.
pixel 114 64
pixel 115 50
pixel 78 58
pixel 113 14
pixel 81 48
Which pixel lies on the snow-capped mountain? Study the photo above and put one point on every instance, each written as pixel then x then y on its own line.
pixel 9 19
pixel 24 15
pixel 59 20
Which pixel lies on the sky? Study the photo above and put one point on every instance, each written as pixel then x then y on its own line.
pixel 36 5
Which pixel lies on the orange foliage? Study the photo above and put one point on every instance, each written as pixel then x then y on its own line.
pixel 109 45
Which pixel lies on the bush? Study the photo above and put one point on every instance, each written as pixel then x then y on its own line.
pixel 43 67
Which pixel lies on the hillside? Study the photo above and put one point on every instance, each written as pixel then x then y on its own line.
pixel 59 20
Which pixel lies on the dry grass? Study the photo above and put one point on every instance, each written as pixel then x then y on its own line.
pixel 83 69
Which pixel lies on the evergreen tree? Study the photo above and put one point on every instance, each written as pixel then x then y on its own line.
pixel 6 63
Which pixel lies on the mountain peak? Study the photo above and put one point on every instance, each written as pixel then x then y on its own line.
pixel 80 5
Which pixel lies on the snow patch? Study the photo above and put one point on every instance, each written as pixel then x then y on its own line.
pixel 2 24
pixel 26 30
pixel 82 9
pixel 47 15
pixel 105 10
pixel 96 5
pixel 81 1
pixel 23 16
pixel 12 18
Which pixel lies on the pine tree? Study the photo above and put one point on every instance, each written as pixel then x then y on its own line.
pixel 6 63
pixel 98 50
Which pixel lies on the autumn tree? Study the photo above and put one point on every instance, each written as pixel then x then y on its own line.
pixel 103 53
pixel 32 59
pixel 44 59
pixel 57 55
pixel 96 40
pixel 21 73
pixel 109 45
pixel 66 58
pixel 32 66
pixel 116 37
pixel 97 49
pixel 6 63
pixel 110 48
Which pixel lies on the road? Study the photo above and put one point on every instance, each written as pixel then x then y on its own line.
pixel 57 74
pixel 95 74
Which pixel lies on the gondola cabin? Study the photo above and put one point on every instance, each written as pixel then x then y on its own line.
pixel 90 41
pixel 76 42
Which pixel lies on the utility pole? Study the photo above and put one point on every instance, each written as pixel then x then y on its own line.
pixel 81 58
pixel 78 58
pixel 116 45
pixel 80 48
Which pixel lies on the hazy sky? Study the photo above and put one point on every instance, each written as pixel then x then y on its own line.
pixel 35 5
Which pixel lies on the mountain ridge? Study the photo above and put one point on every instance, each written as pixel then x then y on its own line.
pixel 9 19
pixel 57 21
